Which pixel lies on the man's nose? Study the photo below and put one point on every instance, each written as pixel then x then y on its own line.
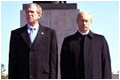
pixel 29 13
pixel 84 22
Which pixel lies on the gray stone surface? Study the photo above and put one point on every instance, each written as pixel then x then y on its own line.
pixel 62 21
pixel 46 2
pixel 49 6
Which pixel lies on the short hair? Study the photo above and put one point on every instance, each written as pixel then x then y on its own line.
pixel 86 13
pixel 39 8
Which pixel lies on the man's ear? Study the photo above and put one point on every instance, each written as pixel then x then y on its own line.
pixel 39 14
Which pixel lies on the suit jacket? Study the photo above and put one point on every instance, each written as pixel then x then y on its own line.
pixel 36 60
pixel 96 57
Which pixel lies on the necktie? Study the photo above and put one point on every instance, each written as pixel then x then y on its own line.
pixel 32 34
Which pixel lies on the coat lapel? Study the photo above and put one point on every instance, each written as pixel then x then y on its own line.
pixel 25 36
pixel 39 36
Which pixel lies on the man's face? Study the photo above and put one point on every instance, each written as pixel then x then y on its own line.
pixel 32 15
pixel 84 22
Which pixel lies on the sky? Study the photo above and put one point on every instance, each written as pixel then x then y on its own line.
pixel 105 21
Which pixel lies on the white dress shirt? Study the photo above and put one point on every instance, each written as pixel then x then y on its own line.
pixel 35 29
pixel 85 32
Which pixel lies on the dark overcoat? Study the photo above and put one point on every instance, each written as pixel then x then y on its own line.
pixel 37 60
pixel 97 63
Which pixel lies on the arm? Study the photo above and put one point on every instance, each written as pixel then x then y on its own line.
pixel 54 57
pixel 12 57
pixel 106 61
pixel 64 63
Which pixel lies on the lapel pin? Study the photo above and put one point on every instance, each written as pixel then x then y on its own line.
pixel 42 33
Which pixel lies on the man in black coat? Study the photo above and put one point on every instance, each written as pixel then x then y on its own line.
pixel 85 55
pixel 33 49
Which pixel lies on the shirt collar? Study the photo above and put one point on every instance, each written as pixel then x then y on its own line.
pixel 35 27
pixel 90 34
pixel 85 32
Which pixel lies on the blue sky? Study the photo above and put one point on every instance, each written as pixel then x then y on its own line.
pixel 105 21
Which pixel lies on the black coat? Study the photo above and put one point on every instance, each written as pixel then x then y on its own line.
pixel 96 57
pixel 37 60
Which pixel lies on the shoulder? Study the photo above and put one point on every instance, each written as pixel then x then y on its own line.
pixel 47 29
pixel 98 36
pixel 19 30
pixel 70 38
pixel 100 39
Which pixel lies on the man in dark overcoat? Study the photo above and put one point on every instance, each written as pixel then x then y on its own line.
pixel 33 49
pixel 85 55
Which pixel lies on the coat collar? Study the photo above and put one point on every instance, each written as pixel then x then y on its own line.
pixel 26 37
pixel 90 34
pixel 40 35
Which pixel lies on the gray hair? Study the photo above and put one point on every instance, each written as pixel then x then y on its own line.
pixel 86 13
pixel 39 8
